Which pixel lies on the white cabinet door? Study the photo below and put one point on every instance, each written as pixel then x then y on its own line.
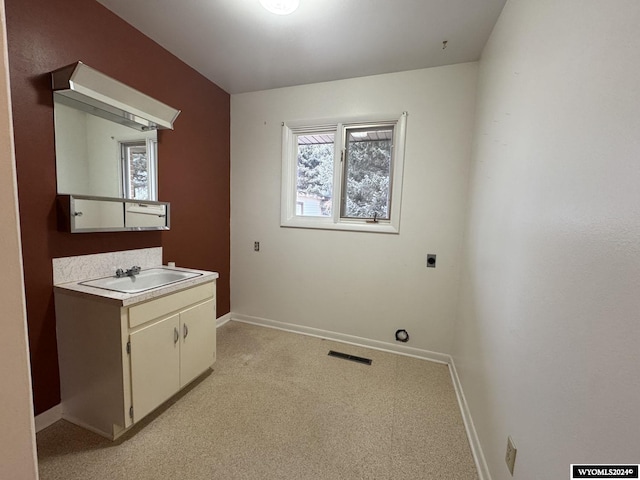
pixel 198 332
pixel 155 365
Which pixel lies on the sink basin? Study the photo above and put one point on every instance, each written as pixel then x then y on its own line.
pixel 145 280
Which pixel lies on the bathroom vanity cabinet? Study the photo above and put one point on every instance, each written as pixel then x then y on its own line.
pixel 120 362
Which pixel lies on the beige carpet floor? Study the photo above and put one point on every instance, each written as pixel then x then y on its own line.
pixel 277 407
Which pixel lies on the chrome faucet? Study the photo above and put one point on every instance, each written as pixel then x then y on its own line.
pixel 129 272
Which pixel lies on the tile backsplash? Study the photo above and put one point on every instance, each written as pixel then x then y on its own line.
pixel 85 267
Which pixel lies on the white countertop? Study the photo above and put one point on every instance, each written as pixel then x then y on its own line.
pixel 127 299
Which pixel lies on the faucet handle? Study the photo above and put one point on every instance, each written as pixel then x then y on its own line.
pixel 120 273
pixel 135 270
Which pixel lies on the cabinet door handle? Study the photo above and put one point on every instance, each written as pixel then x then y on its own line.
pixel 176 335
pixel 186 331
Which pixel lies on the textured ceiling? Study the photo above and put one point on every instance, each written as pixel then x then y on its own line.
pixel 241 47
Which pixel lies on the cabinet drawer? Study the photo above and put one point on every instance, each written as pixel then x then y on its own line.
pixel 173 302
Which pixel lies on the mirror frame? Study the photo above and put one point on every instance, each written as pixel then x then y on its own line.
pixel 68 214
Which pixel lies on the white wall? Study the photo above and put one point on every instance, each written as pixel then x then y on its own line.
pixel 17 434
pixel 547 345
pixel 361 284
pixel 72 169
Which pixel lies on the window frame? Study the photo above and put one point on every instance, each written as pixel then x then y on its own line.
pixel 340 126
pixel 151 146
pixel 346 145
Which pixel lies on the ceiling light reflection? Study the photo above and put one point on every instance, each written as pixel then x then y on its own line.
pixel 280 7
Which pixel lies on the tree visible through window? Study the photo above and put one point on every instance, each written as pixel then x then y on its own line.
pixel 367 173
pixel 345 176
pixel 138 170
pixel 315 174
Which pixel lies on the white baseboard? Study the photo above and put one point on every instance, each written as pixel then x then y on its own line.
pixel 474 441
pixel 54 414
pixel 223 319
pixel 48 418
pixel 344 338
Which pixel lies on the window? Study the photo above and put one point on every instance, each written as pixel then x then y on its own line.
pixel 139 178
pixel 344 175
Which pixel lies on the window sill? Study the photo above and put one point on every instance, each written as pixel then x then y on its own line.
pixel 380 227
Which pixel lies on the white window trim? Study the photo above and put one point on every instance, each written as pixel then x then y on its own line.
pixel 335 222
pixel 152 157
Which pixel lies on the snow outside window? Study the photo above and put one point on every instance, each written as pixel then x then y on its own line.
pixel 343 174
pixel 139 178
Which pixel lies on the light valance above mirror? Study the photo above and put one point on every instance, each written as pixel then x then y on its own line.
pixel 85 88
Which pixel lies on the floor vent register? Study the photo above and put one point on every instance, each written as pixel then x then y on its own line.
pixel 353 358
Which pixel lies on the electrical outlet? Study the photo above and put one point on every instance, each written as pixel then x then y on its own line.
pixel 510 458
pixel 256 246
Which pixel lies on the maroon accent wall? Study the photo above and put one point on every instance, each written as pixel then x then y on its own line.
pixel 44 35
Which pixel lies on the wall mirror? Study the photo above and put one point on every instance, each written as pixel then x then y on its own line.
pixel 98 157
pixel 106 147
